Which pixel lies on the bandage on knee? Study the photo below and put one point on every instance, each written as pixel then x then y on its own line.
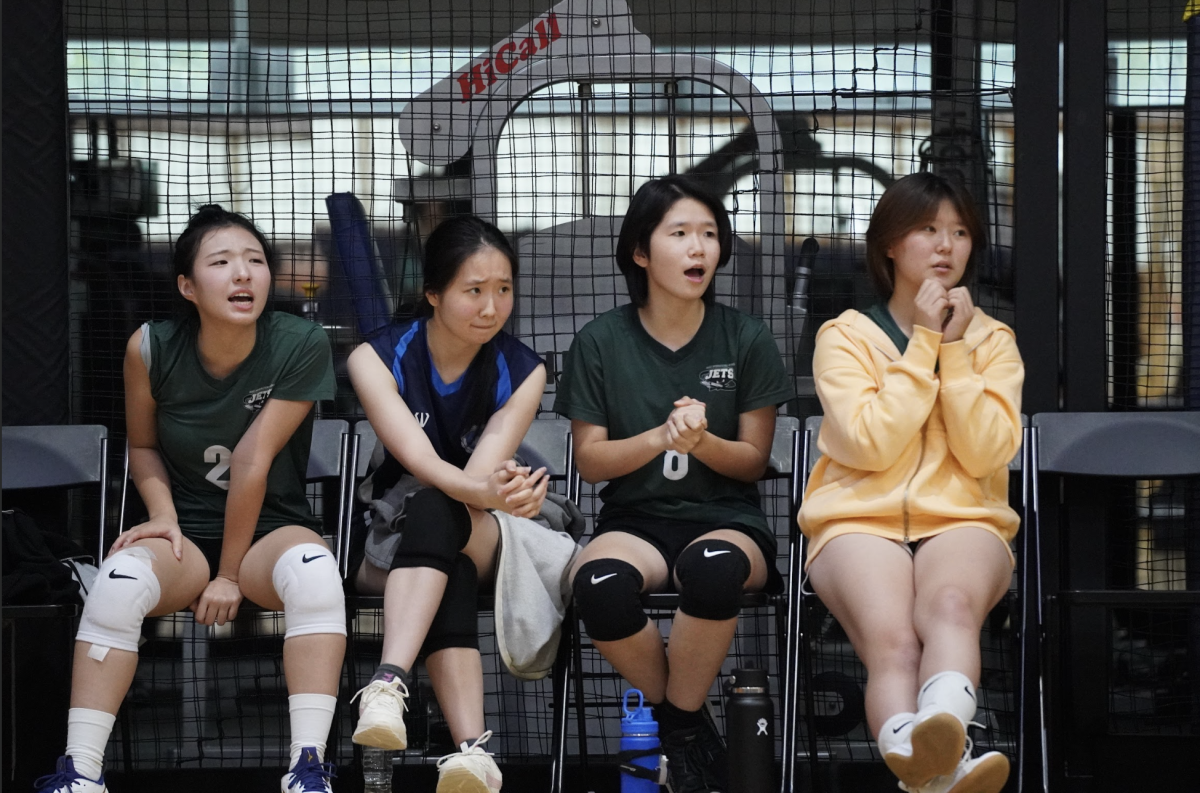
pixel 456 623
pixel 307 581
pixel 608 597
pixel 125 591
pixel 436 528
pixel 712 575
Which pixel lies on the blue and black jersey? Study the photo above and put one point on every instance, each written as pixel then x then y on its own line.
pixel 441 407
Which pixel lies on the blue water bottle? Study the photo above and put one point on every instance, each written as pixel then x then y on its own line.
pixel 642 767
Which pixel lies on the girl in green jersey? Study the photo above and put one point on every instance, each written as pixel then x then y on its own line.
pixel 219 409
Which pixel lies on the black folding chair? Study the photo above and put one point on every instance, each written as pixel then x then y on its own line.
pixel 804 632
pixel 547 443
pixel 781 466
pixel 42 457
pixel 1070 598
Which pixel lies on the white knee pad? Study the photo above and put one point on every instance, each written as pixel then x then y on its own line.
pixel 123 594
pixel 307 581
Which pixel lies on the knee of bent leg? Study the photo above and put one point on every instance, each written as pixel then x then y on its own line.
pixel 608 598
pixel 895 647
pixel 948 606
pixel 125 591
pixel 436 528
pixel 712 575
pixel 307 581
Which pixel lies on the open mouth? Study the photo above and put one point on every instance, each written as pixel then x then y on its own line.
pixel 242 300
pixel 694 274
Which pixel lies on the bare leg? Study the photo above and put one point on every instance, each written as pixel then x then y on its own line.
pixel 867 582
pixel 102 685
pixel 703 644
pixel 456 674
pixel 312 663
pixel 960 575
pixel 641 659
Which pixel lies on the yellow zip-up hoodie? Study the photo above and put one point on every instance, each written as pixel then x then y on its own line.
pixel 913 444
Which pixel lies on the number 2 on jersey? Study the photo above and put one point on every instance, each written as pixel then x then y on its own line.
pixel 675 466
pixel 219 455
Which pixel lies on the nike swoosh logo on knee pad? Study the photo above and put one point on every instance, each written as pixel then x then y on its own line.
pixel 307 559
pixel 115 574
pixel 709 555
pixel 602 578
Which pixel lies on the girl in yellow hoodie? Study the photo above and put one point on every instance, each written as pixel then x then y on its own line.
pixel 907 510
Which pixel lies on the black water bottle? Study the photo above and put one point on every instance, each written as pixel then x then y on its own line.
pixel 750 732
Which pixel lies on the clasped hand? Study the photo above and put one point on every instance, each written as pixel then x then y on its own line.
pixel 517 489
pixel 685 427
pixel 948 311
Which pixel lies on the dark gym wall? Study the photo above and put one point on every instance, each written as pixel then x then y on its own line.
pixel 35 228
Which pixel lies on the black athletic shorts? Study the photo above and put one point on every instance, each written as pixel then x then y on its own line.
pixel 670 537
pixel 211 548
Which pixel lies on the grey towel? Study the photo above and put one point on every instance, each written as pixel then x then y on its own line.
pixel 531 593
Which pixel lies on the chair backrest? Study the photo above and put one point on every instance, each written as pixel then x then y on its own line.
pixel 62 455
pixel 327 455
pixel 1149 445
pixel 780 463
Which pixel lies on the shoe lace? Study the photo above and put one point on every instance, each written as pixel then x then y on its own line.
pixel 375 688
pixel 475 748
pixel 60 779
pixel 313 776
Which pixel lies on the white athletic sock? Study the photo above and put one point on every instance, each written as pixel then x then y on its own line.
pixel 895 733
pixel 87 735
pixel 311 717
pixel 951 692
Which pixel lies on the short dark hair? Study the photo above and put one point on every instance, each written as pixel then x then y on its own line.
pixel 907 205
pixel 649 206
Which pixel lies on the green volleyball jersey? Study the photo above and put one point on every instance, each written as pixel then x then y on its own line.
pixel 617 376
pixel 200 419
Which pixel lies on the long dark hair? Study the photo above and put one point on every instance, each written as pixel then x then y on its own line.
pixel 211 217
pixel 909 204
pixel 453 242
pixel 649 206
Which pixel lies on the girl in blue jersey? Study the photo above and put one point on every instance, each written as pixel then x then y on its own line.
pixel 219 409
pixel 672 401
pixel 450 396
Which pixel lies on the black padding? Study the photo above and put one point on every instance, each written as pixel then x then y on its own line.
pixel 712 575
pixel 608 597
pixel 456 623
pixel 435 529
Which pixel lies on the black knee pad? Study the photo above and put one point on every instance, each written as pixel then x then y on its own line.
pixel 608 596
pixel 436 528
pixel 712 575
pixel 456 623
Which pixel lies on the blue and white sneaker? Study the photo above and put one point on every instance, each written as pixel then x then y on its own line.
pixel 66 779
pixel 309 774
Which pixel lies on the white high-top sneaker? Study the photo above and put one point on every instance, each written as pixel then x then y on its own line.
pixel 984 774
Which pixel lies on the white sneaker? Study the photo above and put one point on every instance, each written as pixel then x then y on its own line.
pixel 934 748
pixel 66 779
pixel 381 715
pixel 984 774
pixel 471 770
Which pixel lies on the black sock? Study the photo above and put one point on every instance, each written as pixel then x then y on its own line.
pixel 671 717
pixel 389 672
